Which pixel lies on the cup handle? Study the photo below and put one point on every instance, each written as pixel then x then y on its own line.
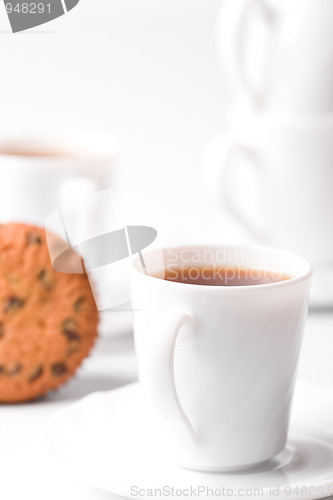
pixel 157 372
pixel 217 163
pixel 231 28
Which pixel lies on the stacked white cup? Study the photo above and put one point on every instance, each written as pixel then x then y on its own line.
pixel 278 58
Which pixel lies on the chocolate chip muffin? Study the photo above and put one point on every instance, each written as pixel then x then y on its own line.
pixel 48 320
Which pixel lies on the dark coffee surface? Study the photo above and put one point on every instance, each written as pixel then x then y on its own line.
pixel 223 276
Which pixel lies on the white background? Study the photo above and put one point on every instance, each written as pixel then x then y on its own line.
pixel 146 71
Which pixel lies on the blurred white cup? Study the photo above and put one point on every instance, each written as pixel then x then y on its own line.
pixel 40 170
pixel 43 172
pixel 276 178
pixel 278 54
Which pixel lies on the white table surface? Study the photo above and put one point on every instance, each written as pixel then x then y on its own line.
pixel 112 364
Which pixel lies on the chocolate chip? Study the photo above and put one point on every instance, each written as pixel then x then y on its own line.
pixel 78 304
pixel 36 374
pixel 1 330
pixel 42 274
pixel 58 369
pixel 34 239
pixel 46 279
pixel 2 370
pixel 13 304
pixel 14 370
pixel 70 330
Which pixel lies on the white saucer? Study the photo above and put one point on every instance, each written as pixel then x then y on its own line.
pixel 109 442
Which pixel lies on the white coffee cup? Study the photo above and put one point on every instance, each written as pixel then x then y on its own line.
pixel 217 363
pixel 278 54
pixel 43 172
pixel 40 170
pixel 275 176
